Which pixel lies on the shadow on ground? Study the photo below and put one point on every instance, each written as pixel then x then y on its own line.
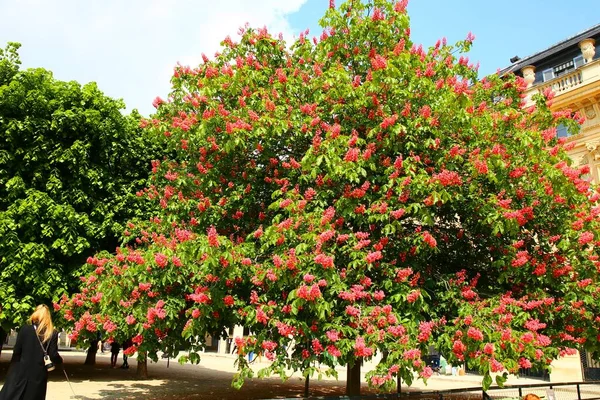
pixel 184 382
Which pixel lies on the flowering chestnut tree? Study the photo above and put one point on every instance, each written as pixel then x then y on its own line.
pixel 359 196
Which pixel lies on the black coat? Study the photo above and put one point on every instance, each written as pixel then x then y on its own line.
pixel 27 377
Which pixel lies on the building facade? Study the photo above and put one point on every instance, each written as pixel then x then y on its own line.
pixel 571 69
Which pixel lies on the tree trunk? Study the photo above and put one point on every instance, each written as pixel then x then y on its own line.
pixel 353 379
pixel 306 383
pixel 142 366
pixel 90 359
pixel 3 334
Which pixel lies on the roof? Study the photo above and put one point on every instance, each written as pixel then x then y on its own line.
pixel 550 51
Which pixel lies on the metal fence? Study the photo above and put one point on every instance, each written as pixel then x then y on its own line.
pixel 547 391
pixel 550 391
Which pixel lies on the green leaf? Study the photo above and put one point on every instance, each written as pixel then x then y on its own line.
pixel 487 381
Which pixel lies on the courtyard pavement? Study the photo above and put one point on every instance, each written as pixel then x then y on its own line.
pixel 211 379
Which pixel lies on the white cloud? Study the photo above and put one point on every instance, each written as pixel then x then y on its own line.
pixel 130 47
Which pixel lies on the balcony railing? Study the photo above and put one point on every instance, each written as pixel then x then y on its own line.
pixel 584 75
pixel 564 83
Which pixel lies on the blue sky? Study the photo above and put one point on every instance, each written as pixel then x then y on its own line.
pixel 130 47
pixel 512 28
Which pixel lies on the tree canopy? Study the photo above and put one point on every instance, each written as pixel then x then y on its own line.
pixel 70 165
pixel 354 196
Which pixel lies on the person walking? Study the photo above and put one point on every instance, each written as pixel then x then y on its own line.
pixel 115 347
pixel 34 353
pixel 127 344
pixel 100 342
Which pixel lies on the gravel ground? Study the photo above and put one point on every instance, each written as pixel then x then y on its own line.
pixel 211 379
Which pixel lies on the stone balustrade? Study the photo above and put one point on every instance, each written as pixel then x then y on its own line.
pixel 568 83
pixel 575 79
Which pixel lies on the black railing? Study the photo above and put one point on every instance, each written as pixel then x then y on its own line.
pixel 546 390
pixel 588 390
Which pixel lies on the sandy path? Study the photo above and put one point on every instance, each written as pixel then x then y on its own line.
pixel 209 380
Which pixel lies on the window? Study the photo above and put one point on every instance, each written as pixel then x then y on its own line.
pixel 548 74
pixel 561 131
pixel 562 69
pixel 497 99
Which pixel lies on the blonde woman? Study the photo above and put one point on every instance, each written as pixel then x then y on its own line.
pixel 37 345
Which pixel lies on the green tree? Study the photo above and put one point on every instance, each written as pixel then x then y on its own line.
pixel 70 166
pixel 359 196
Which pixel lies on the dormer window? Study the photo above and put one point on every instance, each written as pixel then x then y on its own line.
pixel 548 74
pixel 562 69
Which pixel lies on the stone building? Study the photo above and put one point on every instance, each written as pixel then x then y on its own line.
pixel 571 68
